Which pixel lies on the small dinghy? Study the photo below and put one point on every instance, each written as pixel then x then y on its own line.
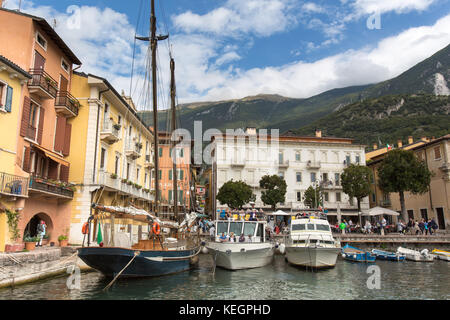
pixel 354 254
pixel 413 255
pixel 386 255
pixel 441 254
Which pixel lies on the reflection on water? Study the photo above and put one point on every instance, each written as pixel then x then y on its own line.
pixel 279 280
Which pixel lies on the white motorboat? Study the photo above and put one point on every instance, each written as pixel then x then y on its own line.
pixel 255 251
pixel 441 254
pixel 413 255
pixel 311 243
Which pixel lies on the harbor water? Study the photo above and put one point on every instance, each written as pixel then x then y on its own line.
pixel 277 281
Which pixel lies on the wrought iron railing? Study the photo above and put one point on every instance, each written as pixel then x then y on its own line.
pixel 40 184
pixel 65 99
pixel 13 185
pixel 40 78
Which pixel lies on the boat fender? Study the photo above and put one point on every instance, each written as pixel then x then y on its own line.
pixel 85 228
pixel 203 243
pixel 282 248
pixel 205 250
pixel 228 251
pixel 156 228
pixel 243 250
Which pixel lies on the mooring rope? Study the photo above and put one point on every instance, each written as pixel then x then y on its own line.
pixel 161 259
pixel 136 253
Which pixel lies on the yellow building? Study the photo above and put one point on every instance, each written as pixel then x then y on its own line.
pixel 13 183
pixel 113 161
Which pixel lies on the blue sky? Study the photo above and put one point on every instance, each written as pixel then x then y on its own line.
pixel 228 49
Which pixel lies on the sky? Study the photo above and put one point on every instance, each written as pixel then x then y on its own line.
pixel 230 49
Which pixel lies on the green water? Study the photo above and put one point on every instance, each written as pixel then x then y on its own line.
pixel 279 280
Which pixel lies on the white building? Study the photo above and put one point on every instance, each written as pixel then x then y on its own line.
pixel 302 161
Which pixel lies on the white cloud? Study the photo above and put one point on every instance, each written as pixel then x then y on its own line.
pixel 259 17
pixel 399 6
pixel 312 7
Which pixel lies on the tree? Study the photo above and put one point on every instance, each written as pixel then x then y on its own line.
pixel 313 197
pixel 274 190
pixel 401 171
pixel 235 194
pixel 356 182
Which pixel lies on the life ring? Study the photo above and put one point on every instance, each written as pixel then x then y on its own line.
pixel 156 228
pixel 85 228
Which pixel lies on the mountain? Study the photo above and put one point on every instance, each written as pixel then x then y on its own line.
pixel 429 77
pixel 386 119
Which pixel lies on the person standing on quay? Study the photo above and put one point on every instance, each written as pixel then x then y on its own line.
pixel 41 227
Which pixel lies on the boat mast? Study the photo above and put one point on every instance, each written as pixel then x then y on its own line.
pixel 154 45
pixel 173 143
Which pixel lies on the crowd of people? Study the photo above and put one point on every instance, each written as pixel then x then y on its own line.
pixel 250 214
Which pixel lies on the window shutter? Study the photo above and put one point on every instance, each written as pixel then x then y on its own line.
pixel 59 133
pixel 180 175
pixel 9 94
pixel 64 173
pixel 26 160
pixel 170 174
pixel 68 133
pixel 25 116
pixel 41 125
pixel 170 195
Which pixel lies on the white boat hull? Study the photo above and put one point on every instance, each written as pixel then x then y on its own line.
pixel 413 255
pixel 237 256
pixel 320 257
pixel 442 256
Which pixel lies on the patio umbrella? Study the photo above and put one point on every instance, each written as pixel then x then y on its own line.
pixel 379 211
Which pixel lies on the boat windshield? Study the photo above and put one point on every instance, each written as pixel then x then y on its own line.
pixel 322 227
pixel 296 227
pixel 236 228
pixel 310 226
pixel 249 229
pixel 222 227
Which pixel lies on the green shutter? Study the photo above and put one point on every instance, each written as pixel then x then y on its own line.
pixel 170 174
pixel 181 153
pixel 9 94
pixel 159 174
pixel 160 152
pixel 180 175
pixel 170 195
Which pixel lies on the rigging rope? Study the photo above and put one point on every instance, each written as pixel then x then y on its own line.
pixel 136 253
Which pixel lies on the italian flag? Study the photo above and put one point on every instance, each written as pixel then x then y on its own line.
pixel 99 235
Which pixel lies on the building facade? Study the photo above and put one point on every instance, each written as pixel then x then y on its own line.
pixel 113 162
pixel 301 161
pixel 47 109
pixel 13 181
pixel 436 201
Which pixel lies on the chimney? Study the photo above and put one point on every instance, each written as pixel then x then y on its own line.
pixel 399 143
pixel 424 139
pixel 410 140
pixel 375 146
pixel 250 130
pixel 318 133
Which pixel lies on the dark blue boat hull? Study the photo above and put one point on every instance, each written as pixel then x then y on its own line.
pixel 110 261
pixel 361 256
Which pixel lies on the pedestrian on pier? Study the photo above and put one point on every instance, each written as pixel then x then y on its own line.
pixel 422 226
pixel 41 227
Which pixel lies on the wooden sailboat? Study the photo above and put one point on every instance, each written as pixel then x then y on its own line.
pixel 159 254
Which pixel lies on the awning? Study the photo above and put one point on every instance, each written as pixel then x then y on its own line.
pixel 53 156
pixel 379 211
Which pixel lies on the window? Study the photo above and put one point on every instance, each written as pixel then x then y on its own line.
pixel 42 42
pixel 222 227
pixel 299 196
pixel 337 178
pixel 374 199
pixel 338 197
pixel 249 228
pixel 236 228
pixel 357 159
pixel 347 159
pixel 170 174
pixel 128 171
pixel 64 65
pixel 180 174
pixel 116 165
pixel 424 214
pixel 313 177
pixel 159 174
pixel 102 158
pixel 137 175
pixel 280 157
pixel 322 227
pixel 145 179
pixel 325 194
pixel 299 176
pixel 34 115
pixel 437 153
pixel 310 226
pixel 410 214
pixel 298 156
pixel 281 174
pixel 6 93
pixel 170 195
pixel 325 177
pixel 160 152
pixel 2 94
pixel 119 119
pixel 297 227
pixel 181 153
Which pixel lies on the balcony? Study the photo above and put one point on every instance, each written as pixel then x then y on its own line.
pixel 14 186
pixel 50 188
pixel 66 104
pixel 115 184
pixel 110 132
pixel 133 149
pixel 313 165
pixel 42 84
pixel 330 185
pixel 283 164
pixel 238 163
pixel 148 161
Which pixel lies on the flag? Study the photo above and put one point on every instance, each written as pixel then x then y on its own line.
pixel 99 235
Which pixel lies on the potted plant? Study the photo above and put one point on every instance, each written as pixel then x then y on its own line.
pixel 30 242
pixel 113 176
pixel 117 126
pixel 63 241
pixel 45 239
pixel 124 181
pixel 129 183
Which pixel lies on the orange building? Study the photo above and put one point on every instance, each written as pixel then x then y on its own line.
pixel 166 175
pixel 47 109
